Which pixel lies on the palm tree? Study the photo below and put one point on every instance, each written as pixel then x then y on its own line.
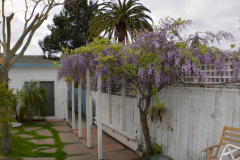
pixel 120 19
pixel 34 102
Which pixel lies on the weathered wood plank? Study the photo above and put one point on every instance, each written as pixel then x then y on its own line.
pixel 236 109
pixel 174 126
pixel 195 120
pixel 170 120
pixel 187 123
pixel 217 120
pixel 191 124
pixel 205 120
pixel 211 119
pixel 182 125
pixel 224 111
pixel 178 123
pixel 230 108
pixel 165 121
pixel 201 123
pixel 235 117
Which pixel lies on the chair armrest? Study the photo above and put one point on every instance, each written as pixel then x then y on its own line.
pixel 206 149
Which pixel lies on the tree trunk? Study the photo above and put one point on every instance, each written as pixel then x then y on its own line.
pixel 121 36
pixel 6 145
pixel 4 76
pixel 146 132
pixel 121 30
pixel 143 115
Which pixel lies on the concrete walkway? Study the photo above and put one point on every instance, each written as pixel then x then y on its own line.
pixel 112 149
pixel 72 145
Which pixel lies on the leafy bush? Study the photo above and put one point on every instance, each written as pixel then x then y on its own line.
pixel 7 104
pixel 34 101
pixel 156 148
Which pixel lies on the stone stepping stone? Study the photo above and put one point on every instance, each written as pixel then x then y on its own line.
pixel 14 131
pixel 77 148
pixel 39 148
pixel 82 157
pixel 27 129
pixel 25 136
pixel 62 128
pixel 40 122
pixel 42 147
pixel 59 123
pixel 68 137
pixel 39 158
pixel 44 132
pixel 43 141
pixel 50 150
pixel 8 158
pixel 34 150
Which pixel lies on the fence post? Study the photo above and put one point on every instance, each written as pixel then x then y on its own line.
pixel 123 110
pixel 109 102
pixel 91 109
pixel 66 100
pixel 73 106
pixel 139 124
pixel 80 108
pixel 88 109
pixel 99 119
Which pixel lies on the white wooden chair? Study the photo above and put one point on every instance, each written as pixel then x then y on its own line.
pixel 226 138
pixel 229 149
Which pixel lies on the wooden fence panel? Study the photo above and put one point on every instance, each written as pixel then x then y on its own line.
pixel 196 115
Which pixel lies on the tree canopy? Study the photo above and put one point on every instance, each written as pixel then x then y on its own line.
pixel 69 28
pixel 120 19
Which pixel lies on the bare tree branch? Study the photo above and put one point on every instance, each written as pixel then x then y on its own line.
pixel 25 17
pixel 139 89
pixel 43 9
pixel 1 42
pixel 35 6
pixel 3 24
pixel 27 20
pixel 24 48
pixel 41 19
pixel 9 18
pixel 28 31
pixel 24 34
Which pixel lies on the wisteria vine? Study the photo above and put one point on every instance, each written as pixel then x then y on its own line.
pixel 154 58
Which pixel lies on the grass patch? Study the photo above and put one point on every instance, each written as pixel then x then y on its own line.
pixel 23 148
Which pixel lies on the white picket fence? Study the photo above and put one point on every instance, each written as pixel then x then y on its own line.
pixel 197 116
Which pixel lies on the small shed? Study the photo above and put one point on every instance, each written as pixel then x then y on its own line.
pixel 35 68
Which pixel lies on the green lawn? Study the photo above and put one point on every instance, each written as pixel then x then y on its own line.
pixel 23 148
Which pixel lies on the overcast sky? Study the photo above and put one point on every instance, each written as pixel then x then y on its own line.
pixel 207 15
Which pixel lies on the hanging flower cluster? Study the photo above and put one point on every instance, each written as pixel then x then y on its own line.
pixel 154 58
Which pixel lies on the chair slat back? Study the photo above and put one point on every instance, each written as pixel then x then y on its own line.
pixel 229 138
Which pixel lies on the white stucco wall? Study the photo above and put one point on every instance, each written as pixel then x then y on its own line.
pixel 19 75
